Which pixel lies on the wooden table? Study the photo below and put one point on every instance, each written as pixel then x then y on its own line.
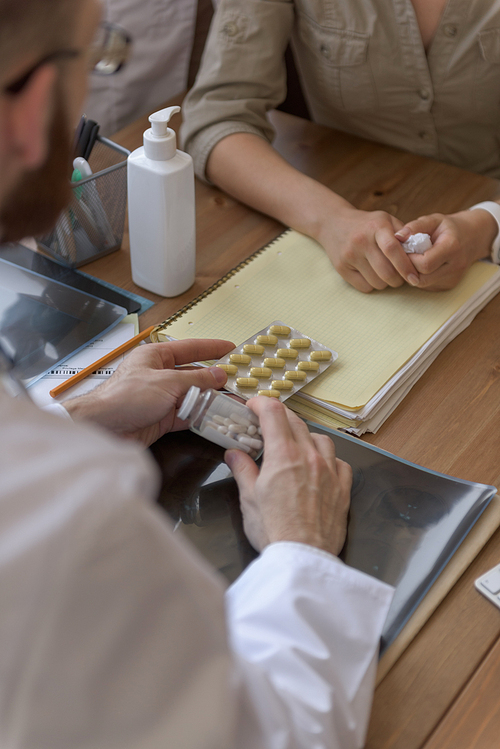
pixel 444 692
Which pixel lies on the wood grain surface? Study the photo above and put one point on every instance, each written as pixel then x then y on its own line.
pixel 474 720
pixel 445 689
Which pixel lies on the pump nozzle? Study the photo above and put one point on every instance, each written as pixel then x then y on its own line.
pixel 160 142
pixel 159 120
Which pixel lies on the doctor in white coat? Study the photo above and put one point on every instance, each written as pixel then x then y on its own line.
pixel 114 634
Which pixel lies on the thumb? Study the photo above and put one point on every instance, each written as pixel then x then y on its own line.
pixel 244 470
pixel 422 225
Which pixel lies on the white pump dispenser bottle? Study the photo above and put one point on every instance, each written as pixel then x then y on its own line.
pixel 161 211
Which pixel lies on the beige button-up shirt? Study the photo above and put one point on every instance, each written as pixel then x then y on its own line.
pixel 364 70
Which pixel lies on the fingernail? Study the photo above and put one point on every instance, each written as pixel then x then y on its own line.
pixel 219 375
pixel 413 280
pixel 402 234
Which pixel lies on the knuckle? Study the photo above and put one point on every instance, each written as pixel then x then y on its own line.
pixel 391 246
pixel 395 281
pixel 324 440
pixel 348 259
pixel 316 462
pixel 273 406
pixel 365 289
pixel 425 266
pixel 379 284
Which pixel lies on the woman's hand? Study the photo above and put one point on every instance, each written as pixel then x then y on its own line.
pixel 364 250
pixel 458 241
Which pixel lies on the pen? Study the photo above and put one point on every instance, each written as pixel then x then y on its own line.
pixel 89 198
pixel 101 362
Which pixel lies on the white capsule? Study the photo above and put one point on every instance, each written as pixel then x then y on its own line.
pixel 222 429
pixel 237 428
pixel 252 429
pixel 218 419
pixel 238 419
pixel 250 441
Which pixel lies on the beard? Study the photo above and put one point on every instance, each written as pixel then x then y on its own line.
pixel 35 203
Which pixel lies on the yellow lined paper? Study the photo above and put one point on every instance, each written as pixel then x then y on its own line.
pixel 293 280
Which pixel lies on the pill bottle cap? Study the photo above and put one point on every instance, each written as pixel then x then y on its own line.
pixel 187 404
pixel 160 142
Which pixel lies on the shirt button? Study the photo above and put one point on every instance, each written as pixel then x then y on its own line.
pixel 230 29
pixel 424 94
pixel 450 30
pixel 426 136
pixel 325 50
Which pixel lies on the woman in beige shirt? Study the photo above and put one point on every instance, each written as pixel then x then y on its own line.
pixel 421 75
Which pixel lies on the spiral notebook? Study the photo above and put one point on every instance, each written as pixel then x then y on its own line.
pixel 385 340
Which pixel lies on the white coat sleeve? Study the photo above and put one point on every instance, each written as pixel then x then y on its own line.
pixel 120 636
pixel 306 629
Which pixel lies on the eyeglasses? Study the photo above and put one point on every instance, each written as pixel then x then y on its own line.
pixel 107 55
pixel 110 49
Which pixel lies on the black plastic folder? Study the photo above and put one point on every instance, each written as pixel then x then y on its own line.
pixel 405 521
pixel 43 321
pixel 19 255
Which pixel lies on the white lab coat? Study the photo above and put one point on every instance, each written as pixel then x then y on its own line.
pixel 115 634
pixel 162 33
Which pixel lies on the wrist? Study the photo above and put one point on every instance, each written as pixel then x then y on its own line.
pixel 332 544
pixel 331 209
pixel 84 408
pixel 489 211
pixel 478 230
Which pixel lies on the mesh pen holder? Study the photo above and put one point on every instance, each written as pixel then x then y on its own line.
pixel 92 225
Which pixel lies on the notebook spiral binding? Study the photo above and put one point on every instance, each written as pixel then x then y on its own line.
pixel 187 307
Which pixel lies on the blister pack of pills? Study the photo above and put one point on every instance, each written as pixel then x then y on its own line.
pixel 277 361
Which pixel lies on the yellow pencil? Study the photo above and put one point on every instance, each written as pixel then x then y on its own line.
pixel 101 362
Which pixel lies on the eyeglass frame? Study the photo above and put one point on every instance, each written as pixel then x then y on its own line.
pixel 68 54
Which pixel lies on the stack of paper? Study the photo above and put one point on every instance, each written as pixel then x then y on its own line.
pixel 385 340
pixel 123 332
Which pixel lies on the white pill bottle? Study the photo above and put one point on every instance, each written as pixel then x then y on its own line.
pixel 161 211
pixel 222 419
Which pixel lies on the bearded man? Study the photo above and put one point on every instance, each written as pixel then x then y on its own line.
pixel 113 633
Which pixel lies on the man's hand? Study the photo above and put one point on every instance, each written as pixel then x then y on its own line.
pixel 302 491
pixel 141 398
pixel 364 250
pixel 458 240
